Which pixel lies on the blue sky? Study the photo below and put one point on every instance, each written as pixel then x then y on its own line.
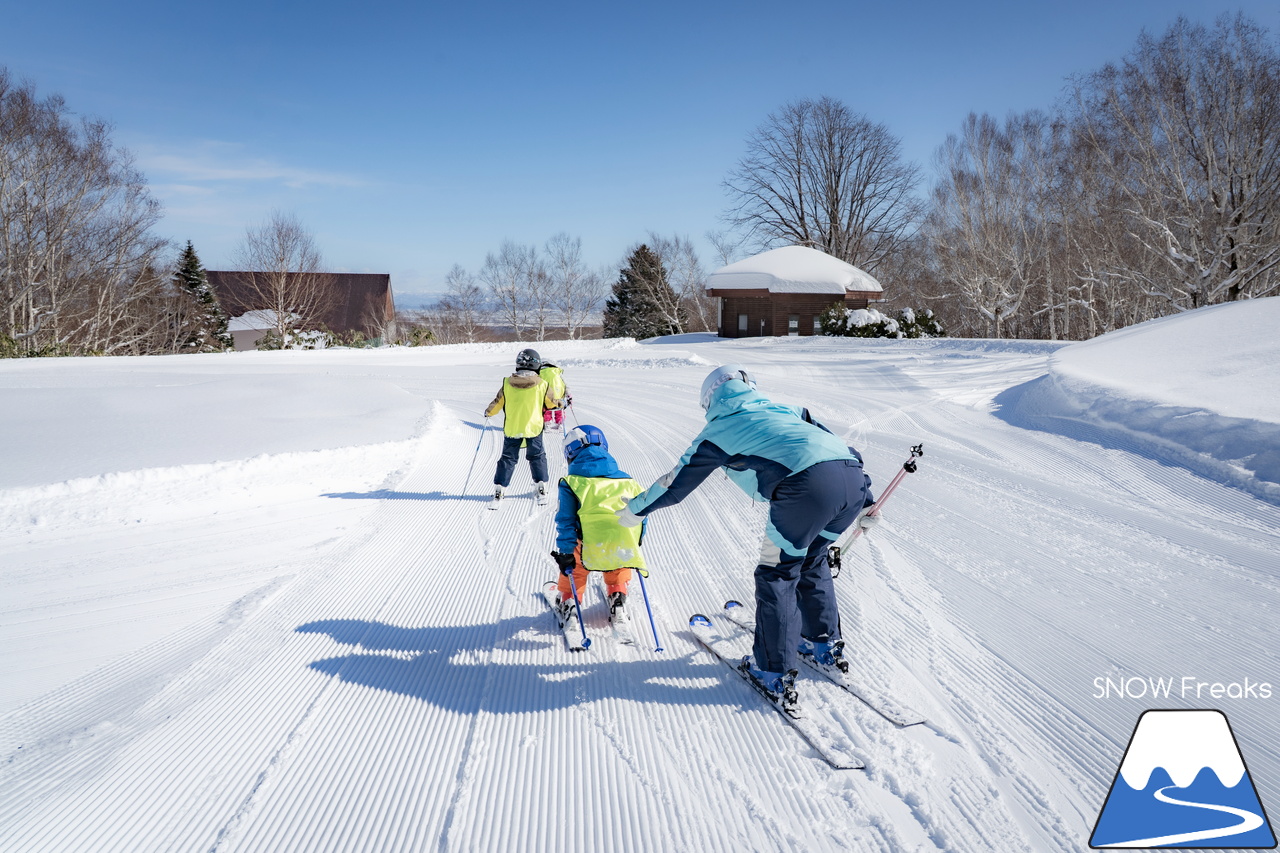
pixel 410 137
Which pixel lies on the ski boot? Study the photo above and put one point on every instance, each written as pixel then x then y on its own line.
pixel 567 610
pixel 616 612
pixel 826 655
pixel 541 495
pixel 497 497
pixel 780 687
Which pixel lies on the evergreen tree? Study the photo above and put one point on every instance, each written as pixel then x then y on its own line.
pixel 209 332
pixel 636 308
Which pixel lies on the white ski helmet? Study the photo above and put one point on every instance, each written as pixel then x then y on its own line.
pixel 721 375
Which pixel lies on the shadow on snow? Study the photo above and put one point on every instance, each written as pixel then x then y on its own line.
pixel 449 667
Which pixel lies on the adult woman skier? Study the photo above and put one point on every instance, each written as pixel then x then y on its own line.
pixel 816 489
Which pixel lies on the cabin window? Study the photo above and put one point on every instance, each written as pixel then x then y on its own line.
pixel 742 322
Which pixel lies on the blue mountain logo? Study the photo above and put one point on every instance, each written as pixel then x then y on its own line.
pixel 1183 783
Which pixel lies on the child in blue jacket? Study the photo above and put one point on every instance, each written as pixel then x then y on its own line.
pixel 588 534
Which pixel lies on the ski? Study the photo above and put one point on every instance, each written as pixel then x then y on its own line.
pixel 572 630
pixel 834 748
pixel 883 704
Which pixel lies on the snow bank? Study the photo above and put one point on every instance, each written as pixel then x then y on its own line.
pixel 1150 388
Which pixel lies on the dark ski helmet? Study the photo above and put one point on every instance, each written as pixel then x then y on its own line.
pixel 528 359
pixel 583 436
pixel 721 375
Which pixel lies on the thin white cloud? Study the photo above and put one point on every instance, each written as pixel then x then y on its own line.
pixel 224 162
pixel 181 190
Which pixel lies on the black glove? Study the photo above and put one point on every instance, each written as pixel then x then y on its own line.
pixel 564 561
pixel 568 400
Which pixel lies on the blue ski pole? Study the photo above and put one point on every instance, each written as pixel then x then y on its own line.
pixel 645 591
pixel 475 455
pixel 573 587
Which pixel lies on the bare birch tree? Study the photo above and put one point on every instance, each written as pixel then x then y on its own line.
pixel 687 279
pixel 464 306
pixel 1190 127
pixel 282 270
pixel 817 174
pixel 509 277
pixel 975 223
pixel 575 291
pixel 79 269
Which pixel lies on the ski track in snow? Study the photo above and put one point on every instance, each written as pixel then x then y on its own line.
pixel 369 665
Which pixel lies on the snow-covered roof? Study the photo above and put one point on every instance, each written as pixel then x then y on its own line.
pixel 793 269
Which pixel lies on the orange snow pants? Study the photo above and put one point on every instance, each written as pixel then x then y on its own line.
pixel 614 581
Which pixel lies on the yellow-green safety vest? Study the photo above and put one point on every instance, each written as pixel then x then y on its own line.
pixel 522 408
pixel 554 381
pixel 606 544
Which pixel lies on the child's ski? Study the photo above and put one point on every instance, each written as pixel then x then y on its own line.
pixel 568 621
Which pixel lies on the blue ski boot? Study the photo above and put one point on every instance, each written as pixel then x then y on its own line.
pixel 780 687
pixel 827 655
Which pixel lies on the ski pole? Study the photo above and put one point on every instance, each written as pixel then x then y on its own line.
pixel 573 587
pixel 644 590
pixel 909 467
pixel 475 455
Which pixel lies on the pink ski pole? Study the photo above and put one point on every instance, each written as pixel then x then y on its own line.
pixel 908 467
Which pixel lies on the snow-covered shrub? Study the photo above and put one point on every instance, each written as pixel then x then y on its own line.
pixel 920 324
pixel 858 323
pixel 839 321
pixel 297 339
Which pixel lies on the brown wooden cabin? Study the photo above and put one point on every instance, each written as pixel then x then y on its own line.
pixel 785 291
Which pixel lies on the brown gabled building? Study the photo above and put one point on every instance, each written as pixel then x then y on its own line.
pixel 361 302
pixel 785 291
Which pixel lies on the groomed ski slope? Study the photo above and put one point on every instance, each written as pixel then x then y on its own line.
pixel 270 633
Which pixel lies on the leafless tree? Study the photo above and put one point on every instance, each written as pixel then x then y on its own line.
pixel 79 269
pixel 464 304
pixel 817 174
pixel 727 246
pixel 687 279
pixel 511 277
pixel 1189 124
pixel 282 270
pixel 576 291
pixel 977 221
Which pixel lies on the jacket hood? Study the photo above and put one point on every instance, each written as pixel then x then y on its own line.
pixel 735 396
pixel 595 461
pixel 525 379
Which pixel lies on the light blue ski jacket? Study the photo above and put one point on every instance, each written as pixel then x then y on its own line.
pixel 759 443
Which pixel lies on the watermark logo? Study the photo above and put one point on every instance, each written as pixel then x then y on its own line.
pixel 1183 783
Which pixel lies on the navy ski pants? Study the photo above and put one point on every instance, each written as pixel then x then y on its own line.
pixel 511 455
pixel 794 593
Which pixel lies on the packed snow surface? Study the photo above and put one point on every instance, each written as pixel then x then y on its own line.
pixel 1224 359
pixel 1200 389
pixel 255 601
